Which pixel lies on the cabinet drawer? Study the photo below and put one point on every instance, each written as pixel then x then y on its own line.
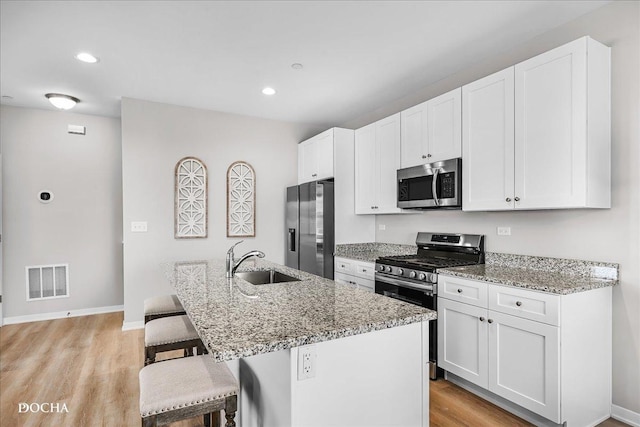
pixel 537 306
pixel 366 270
pixel 366 284
pixel 345 279
pixel 344 265
pixel 463 290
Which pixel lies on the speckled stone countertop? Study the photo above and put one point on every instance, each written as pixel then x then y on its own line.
pixel 552 275
pixel 237 319
pixel 371 251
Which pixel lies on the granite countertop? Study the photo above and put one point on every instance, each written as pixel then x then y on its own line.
pixel 237 319
pixel 369 252
pixel 552 275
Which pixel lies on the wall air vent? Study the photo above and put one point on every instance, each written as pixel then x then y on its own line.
pixel 47 281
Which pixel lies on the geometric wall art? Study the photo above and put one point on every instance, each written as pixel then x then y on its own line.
pixel 241 200
pixel 191 188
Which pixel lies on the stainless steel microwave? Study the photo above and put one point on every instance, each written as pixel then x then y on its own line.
pixel 431 186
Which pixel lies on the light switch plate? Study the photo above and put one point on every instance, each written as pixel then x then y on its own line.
pixel 139 226
pixel 504 231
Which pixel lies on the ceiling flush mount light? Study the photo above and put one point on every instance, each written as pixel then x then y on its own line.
pixel 86 57
pixel 269 91
pixel 297 66
pixel 63 102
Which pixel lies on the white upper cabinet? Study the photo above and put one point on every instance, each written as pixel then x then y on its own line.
pixel 377 159
pixel 431 131
pixel 315 157
pixel 537 135
pixel 487 143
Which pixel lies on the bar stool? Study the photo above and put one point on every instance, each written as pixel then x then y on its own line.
pixel 170 333
pixel 162 306
pixel 178 389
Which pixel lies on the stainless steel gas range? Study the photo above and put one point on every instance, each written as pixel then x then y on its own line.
pixel 414 278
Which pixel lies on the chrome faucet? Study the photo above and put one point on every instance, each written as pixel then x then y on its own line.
pixel 232 265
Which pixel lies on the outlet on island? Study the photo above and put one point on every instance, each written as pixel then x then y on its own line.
pixel 306 362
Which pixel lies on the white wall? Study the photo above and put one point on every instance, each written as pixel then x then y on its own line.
pixel 82 226
pixel 154 138
pixel 600 235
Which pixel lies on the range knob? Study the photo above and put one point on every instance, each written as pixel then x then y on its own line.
pixel 412 274
pixel 421 276
pixel 381 268
pixel 389 269
pixel 433 278
pixel 400 272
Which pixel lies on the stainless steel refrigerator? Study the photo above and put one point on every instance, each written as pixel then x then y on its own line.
pixel 310 228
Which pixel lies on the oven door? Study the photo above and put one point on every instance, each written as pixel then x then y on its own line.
pixel 400 290
pixel 433 185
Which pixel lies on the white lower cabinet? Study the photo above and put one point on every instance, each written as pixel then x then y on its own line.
pixel 490 340
pixel 359 274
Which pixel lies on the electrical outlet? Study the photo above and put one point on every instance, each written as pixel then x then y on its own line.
pixel 139 226
pixel 382 227
pixel 504 231
pixel 306 362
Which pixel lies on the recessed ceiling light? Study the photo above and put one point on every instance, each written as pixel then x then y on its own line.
pixel 63 102
pixel 297 66
pixel 269 91
pixel 86 57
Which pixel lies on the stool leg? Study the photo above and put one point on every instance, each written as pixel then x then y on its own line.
pixel 215 419
pixel 231 405
pixel 207 420
pixel 149 355
pixel 150 421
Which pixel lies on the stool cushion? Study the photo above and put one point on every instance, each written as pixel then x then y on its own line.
pixel 178 383
pixel 168 330
pixel 162 305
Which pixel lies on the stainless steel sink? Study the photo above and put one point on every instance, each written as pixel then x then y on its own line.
pixel 263 277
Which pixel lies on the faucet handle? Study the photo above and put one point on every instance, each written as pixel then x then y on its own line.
pixel 230 251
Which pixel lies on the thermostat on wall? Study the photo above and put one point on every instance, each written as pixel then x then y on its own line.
pixel 45 196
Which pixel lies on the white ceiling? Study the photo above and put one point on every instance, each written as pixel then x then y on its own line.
pixel 217 55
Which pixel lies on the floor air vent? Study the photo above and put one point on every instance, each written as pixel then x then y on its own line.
pixel 47 281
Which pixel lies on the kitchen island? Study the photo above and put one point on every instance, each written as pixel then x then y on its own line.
pixel 310 352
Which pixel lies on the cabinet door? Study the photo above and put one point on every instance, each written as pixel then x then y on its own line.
pixel 444 126
pixel 307 161
pixel 487 143
pixel 324 153
pixel 388 163
pixel 365 169
pixel 551 125
pixel 462 340
pixel 413 138
pixel 524 361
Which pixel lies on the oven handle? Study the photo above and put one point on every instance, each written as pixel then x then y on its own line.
pixel 427 289
pixel 400 297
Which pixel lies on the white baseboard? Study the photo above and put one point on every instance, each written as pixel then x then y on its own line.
pixel 129 326
pixel 61 314
pixel 625 415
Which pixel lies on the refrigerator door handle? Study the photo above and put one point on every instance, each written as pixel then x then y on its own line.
pixel 292 239
pixel 320 225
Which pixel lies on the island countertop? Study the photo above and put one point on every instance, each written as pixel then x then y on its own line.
pixel 238 319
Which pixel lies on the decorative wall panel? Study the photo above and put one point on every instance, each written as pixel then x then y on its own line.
pixel 191 188
pixel 241 200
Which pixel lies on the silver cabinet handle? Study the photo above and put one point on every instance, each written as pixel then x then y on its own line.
pixel 518 303
pixel 424 157
pixel 508 199
pixel 428 155
pixel 517 199
pixel 490 320
pixel 481 319
pixel 459 290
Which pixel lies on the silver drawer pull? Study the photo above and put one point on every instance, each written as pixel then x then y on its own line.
pixel 481 319
pixel 518 303
pixel 490 320
pixel 459 290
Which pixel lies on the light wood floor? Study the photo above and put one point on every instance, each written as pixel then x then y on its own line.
pixel 90 365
